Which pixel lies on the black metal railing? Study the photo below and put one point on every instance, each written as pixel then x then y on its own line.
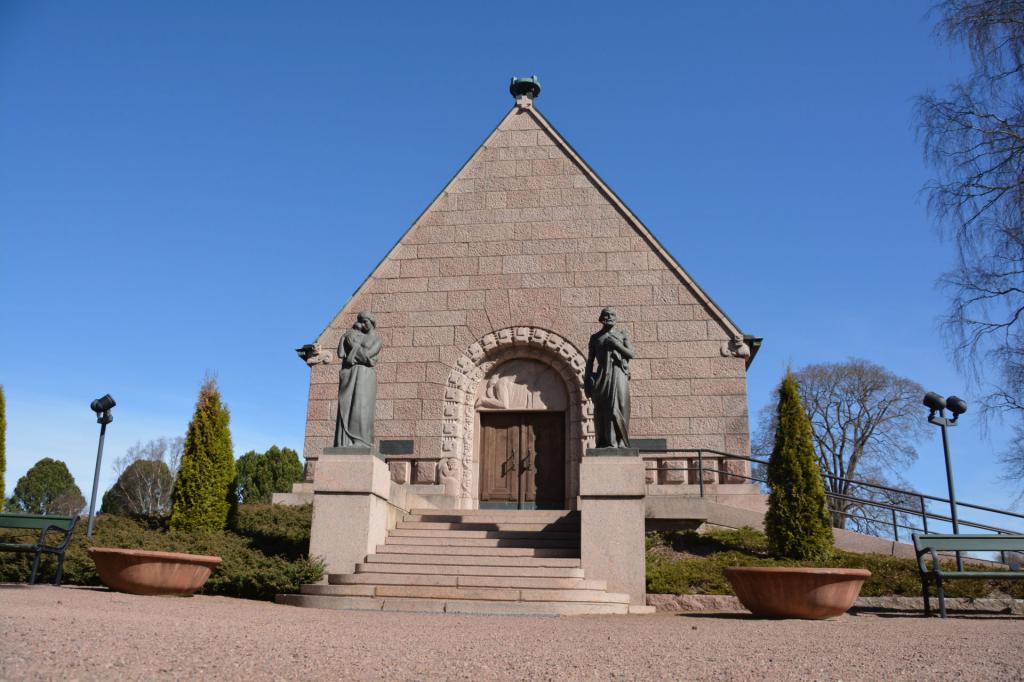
pixel 899 507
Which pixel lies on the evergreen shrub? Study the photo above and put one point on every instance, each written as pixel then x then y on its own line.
pixel 204 497
pixel 692 563
pixel 250 570
pixel 797 523
pixel 275 529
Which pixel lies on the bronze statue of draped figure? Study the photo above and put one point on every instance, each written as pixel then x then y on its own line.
pixel 607 386
pixel 357 391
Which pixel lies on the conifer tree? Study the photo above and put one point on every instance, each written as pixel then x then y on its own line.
pixel 3 444
pixel 47 488
pixel 204 495
pixel 797 523
pixel 262 475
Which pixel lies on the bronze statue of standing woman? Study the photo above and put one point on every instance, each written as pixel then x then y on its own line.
pixel 357 391
pixel 608 385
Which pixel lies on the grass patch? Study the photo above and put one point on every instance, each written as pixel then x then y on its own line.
pixel 691 563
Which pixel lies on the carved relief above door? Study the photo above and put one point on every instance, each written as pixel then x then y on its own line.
pixel 522 385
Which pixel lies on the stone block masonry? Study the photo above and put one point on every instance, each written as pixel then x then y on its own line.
pixel 526 236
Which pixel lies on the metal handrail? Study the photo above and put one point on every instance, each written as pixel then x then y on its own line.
pixel 921 511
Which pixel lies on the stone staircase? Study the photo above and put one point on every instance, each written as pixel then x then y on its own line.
pixel 488 561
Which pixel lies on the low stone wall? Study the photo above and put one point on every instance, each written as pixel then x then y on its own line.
pixel 698 603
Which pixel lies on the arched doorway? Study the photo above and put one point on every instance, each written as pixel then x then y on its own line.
pixel 522 407
pixel 466 385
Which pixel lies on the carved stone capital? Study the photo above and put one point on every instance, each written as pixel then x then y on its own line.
pixel 735 347
pixel 313 354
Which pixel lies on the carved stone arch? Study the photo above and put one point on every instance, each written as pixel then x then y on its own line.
pixel 494 349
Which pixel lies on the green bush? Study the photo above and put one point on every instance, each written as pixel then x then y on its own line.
pixel 204 496
pixel 797 522
pixel 275 529
pixel 249 570
pixel 699 569
pixel 262 475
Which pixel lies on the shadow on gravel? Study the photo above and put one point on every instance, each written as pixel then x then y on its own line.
pixel 725 615
pixel 26 586
pixel 879 613
pixel 951 615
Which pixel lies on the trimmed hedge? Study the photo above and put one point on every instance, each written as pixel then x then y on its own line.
pixel 275 529
pixel 263 555
pixel 690 563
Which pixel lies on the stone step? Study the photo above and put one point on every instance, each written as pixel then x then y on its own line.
pixel 441 592
pixel 501 527
pixel 483 571
pixel 495 516
pixel 458 560
pixel 543 552
pixel 567 543
pixel 483 534
pixel 452 606
pixel 520 582
pixel 512 512
pixel 534 608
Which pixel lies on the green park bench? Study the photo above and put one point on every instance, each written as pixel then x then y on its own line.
pixel 934 543
pixel 44 524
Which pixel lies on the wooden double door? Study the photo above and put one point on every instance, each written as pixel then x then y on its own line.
pixel 522 460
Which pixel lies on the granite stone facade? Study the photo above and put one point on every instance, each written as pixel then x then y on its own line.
pixel 515 259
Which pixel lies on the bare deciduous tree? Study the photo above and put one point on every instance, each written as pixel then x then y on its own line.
pixel 145 477
pixel 974 138
pixel 865 420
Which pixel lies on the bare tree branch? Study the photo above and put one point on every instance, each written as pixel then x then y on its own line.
pixel 865 420
pixel 973 137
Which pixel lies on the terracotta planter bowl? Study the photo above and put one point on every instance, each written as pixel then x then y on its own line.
pixel 797 592
pixel 138 571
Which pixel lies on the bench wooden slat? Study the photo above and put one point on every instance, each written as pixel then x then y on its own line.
pixel 983 575
pixel 931 544
pixel 968 543
pixel 16 547
pixel 35 521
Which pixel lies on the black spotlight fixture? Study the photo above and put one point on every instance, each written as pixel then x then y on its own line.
pixel 933 401
pixel 937 406
pixel 102 407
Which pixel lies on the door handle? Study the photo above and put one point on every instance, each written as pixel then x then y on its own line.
pixel 526 462
pixel 509 463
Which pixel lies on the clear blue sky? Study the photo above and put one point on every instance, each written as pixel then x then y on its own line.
pixel 188 187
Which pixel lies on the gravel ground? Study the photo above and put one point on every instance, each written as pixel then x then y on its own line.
pixel 90 634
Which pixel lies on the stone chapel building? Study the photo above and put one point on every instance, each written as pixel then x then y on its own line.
pixel 485 307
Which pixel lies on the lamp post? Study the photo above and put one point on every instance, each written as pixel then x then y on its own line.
pixel 937 404
pixel 102 407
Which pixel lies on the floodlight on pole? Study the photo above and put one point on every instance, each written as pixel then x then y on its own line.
pixel 102 407
pixel 937 415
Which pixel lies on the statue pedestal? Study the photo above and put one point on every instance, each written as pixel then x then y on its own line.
pixel 350 507
pixel 612 492
pixel 613 452
pixel 352 450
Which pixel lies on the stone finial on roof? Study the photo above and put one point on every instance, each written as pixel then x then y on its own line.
pixel 525 90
